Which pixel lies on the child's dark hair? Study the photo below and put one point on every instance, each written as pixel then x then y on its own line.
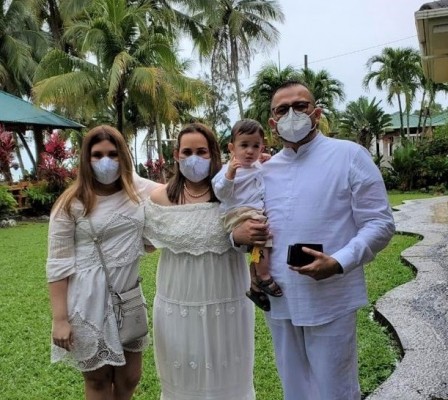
pixel 246 127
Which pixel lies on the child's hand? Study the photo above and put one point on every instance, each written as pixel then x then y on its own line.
pixel 234 164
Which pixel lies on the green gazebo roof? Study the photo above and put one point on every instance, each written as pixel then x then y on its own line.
pixel 14 111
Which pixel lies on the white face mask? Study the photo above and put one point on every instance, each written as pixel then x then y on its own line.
pixel 295 126
pixel 195 168
pixel 106 170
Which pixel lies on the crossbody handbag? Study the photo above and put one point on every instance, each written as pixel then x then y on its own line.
pixel 130 307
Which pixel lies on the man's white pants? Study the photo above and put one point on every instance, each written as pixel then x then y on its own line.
pixel 317 362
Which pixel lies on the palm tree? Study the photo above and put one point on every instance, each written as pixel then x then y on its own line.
pixel 366 120
pixel 135 66
pixel 267 79
pixel 237 29
pixel 398 73
pixel 22 44
pixel 326 90
pixel 430 89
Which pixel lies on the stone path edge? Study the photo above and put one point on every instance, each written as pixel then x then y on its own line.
pixel 416 313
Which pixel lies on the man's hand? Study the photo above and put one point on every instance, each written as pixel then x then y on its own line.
pixel 322 267
pixel 264 157
pixel 234 164
pixel 251 232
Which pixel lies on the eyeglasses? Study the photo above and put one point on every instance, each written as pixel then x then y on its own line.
pixel 283 109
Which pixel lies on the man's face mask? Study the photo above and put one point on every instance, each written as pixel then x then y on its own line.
pixel 295 126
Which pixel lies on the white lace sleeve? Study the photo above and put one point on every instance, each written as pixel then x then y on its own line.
pixel 61 247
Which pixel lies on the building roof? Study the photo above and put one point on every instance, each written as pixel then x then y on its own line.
pixel 436 120
pixel 15 111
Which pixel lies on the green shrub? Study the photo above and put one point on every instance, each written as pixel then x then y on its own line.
pixel 390 178
pixel 40 197
pixel 406 164
pixel 7 202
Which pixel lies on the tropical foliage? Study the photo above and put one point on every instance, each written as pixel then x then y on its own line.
pixel 366 121
pixel 327 91
pixel 22 44
pixel 398 72
pixel 117 62
pixel 422 165
pixel 7 202
pixel 133 67
pixel 267 79
pixel 235 28
pixel 7 147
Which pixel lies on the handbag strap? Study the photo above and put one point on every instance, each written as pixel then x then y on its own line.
pixel 96 241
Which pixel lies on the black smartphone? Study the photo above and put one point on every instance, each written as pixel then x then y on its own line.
pixel 298 258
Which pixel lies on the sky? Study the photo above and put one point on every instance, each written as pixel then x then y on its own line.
pixel 338 36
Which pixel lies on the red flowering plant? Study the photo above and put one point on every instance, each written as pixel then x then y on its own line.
pixel 7 147
pixel 155 168
pixel 55 165
pixel 56 148
pixel 55 171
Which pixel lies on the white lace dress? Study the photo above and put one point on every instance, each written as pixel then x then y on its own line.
pixel 203 322
pixel 118 223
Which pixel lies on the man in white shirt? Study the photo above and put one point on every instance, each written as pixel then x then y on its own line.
pixel 329 192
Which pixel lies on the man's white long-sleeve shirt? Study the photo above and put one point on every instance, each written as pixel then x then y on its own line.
pixel 329 192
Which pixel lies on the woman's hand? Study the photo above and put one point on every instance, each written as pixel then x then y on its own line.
pixel 62 334
pixel 251 232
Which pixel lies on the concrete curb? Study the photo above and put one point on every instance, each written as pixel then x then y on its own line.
pixel 418 310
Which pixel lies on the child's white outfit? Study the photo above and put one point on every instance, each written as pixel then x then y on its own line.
pixel 241 198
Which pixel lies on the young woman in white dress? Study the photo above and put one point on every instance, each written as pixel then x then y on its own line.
pixel 203 321
pixel 85 332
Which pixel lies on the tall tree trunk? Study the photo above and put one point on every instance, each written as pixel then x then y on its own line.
pixel 234 63
pixel 40 148
pixel 377 146
pixel 400 109
pixel 119 107
pixel 159 147
pixel 28 150
pixel 428 113
pixel 56 25
pixel 420 114
pixel 408 128
pixel 19 154
pixel 135 152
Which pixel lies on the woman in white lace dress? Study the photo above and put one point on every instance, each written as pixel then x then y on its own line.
pixel 85 332
pixel 203 322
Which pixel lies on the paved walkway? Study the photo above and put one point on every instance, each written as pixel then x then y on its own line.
pixel 418 310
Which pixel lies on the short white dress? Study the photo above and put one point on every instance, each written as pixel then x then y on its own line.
pixel 118 222
pixel 203 322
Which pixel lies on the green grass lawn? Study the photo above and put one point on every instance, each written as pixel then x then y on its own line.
pixel 26 323
pixel 396 198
